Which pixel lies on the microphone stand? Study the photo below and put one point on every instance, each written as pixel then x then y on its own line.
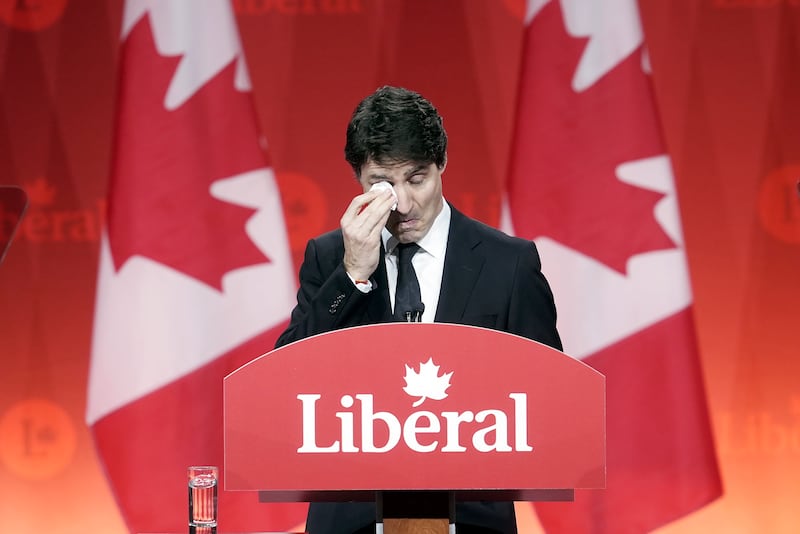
pixel 415 316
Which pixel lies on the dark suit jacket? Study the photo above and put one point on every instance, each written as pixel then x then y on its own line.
pixel 490 280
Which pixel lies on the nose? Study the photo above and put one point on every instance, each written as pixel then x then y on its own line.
pixel 403 199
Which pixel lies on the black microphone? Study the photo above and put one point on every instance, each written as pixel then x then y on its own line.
pixel 415 315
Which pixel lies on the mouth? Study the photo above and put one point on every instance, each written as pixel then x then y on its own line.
pixel 406 224
pixel 407 229
pixel 404 218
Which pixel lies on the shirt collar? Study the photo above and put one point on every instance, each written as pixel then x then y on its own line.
pixel 434 242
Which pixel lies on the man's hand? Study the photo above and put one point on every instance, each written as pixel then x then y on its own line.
pixel 362 223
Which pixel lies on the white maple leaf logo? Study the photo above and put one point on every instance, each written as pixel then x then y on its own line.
pixel 426 384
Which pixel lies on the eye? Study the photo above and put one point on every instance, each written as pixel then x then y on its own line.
pixel 416 179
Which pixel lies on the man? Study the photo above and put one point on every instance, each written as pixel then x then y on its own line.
pixel 463 271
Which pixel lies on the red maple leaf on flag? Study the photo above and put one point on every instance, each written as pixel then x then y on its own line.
pixel 166 160
pixel 569 145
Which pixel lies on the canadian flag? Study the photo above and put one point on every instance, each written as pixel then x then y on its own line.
pixel 590 182
pixel 195 274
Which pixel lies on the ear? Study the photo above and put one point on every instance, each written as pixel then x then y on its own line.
pixel 444 165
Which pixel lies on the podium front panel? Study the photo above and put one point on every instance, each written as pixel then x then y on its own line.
pixel 406 406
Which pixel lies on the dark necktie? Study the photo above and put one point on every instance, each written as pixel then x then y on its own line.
pixel 407 299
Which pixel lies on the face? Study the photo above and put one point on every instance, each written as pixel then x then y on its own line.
pixel 419 195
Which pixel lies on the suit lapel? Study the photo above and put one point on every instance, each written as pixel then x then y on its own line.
pixel 462 264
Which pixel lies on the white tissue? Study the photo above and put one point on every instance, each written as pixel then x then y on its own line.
pixel 378 186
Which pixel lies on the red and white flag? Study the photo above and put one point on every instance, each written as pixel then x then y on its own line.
pixel 591 183
pixel 195 275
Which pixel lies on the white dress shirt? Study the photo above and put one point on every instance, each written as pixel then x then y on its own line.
pixel 428 262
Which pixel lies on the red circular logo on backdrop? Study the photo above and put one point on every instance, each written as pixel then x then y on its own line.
pixel 31 15
pixel 305 207
pixel 37 439
pixel 779 204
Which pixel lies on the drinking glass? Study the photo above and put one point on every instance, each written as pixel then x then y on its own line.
pixel 203 495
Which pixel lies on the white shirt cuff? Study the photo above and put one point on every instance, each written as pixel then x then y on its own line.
pixel 365 286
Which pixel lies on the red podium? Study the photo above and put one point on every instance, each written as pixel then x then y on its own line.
pixel 414 416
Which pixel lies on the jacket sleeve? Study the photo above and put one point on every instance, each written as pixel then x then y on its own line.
pixel 532 309
pixel 327 300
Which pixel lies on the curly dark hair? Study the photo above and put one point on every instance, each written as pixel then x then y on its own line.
pixel 395 125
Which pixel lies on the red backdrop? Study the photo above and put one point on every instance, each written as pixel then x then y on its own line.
pixel 726 74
